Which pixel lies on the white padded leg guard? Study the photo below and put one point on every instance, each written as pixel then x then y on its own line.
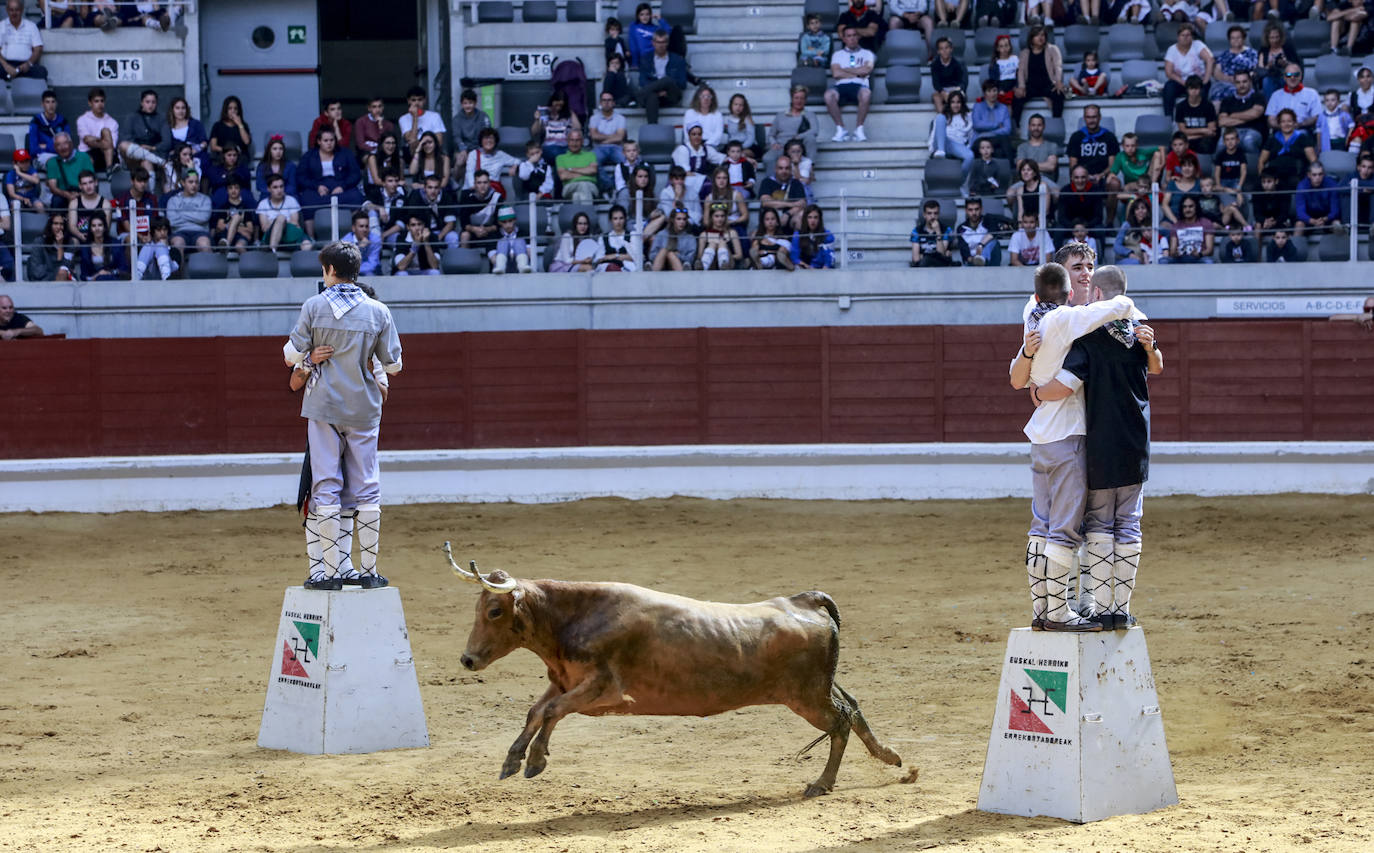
pixel 329 538
pixel 346 569
pixel 1096 597
pixel 369 534
pixel 522 263
pixel 314 551
pixel 1035 573
pixel 1124 568
pixel 1059 566
pixel 498 265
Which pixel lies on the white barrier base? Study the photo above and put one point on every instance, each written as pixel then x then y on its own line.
pixel 342 678
pixel 1077 733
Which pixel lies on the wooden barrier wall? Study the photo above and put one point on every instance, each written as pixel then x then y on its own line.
pixel 1224 380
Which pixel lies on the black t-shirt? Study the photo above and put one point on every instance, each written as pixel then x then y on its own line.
pixel 228 134
pixel 944 76
pixel 1116 400
pixel 1233 104
pixel 1095 151
pixel 770 188
pixel 1289 157
pixel 18 321
pixel 1194 116
pixel 869 17
pixel 1230 164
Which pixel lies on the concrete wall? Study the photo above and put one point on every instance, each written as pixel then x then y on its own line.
pixel 663 300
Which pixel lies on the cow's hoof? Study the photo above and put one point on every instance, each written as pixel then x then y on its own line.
pixel 510 768
pixel 814 790
pixel 532 770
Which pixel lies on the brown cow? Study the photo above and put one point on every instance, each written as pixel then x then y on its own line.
pixel 614 648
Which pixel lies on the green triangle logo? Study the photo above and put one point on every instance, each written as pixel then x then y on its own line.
pixel 310 632
pixel 1055 684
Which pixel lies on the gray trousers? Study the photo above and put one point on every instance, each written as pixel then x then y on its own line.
pixel 1115 512
pixel 1059 490
pixel 343 465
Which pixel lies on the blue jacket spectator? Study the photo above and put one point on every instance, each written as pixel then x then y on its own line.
pixel 43 127
pixel 341 181
pixel 676 71
pixel 287 171
pixel 641 34
pixel 113 263
pixel 1319 198
pixel 218 175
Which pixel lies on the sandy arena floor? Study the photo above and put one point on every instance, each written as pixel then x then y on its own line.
pixel 140 645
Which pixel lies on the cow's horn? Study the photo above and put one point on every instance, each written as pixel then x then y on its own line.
pixel 507 585
pixel 470 577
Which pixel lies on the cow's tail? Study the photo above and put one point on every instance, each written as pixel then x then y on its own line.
pixel 816 598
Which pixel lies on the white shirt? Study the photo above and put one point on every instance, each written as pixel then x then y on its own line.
pixel 289 205
pixel 857 58
pixel 429 123
pixel 1032 251
pixel 1055 420
pixel 1189 63
pixel 88 125
pixel 1305 102
pixel 712 126
pixel 17 43
pixel 606 126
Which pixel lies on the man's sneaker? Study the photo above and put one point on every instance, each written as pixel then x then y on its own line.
pixel 320 580
pixel 859 135
pixel 840 135
pixel 1075 624
pixel 371 581
pixel 978 260
pixel 936 155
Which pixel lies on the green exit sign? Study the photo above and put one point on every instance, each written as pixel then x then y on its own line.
pixel 295 35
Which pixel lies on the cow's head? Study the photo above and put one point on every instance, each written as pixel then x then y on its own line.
pixel 498 629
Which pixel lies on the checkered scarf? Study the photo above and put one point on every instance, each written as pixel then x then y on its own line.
pixel 343 297
pixel 1038 313
pixel 1123 331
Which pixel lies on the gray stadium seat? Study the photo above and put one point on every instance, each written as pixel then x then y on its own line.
pixel 585 10
pixel 681 14
pixel 6 151
pixel 656 142
pixel 904 47
pixel 1125 41
pixel 944 178
pixel 984 39
pixel 457 260
pixel 829 10
pixel 1078 40
pixel 1055 130
pixel 1135 71
pixel 290 138
pixel 31 225
pixel 495 12
pixel 322 223
pixel 1311 37
pixel 814 79
pixel 993 206
pixel 568 211
pixel 120 182
pixel 903 84
pixel 6 102
pixel 1256 37
pixel 305 263
pixel 522 218
pixel 1215 36
pixel 1340 165
pixel 28 95
pixel 1331 72
pixel 259 263
pixel 1332 247
pixel 539 11
pixel 1166 34
pixel 1154 129
pixel 625 12
pixel 512 139
pixel 207 265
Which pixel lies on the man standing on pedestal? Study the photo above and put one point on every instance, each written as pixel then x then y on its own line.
pixel 343 406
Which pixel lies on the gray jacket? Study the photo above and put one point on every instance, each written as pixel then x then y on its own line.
pixel 189 212
pixel 344 392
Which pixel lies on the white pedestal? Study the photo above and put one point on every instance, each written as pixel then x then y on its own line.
pixel 342 678
pixel 1077 733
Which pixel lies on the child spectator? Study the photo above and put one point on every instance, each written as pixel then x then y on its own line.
pixel 279 217
pixel 234 224
pixel 1003 68
pixel 1024 195
pixel 640 196
pixel 1186 184
pixel 770 248
pixel 274 162
pixel 1134 243
pixel 389 203
pixel 624 171
pixel 672 198
pixel 427 160
pixel 802 167
pixel 616 83
pixel 641 35
pixel 418 119
pixel 931 244
pixel 1237 249
pixel 674 248
pixel 616 245
pixel 615 42
pixel 231 129
pixel 156 252
pixel 1280 249
pixel 1031 246
pixel 1362 99
pixel 87 203
pixel 1333 124
pixel 418 257
pixel 533 175
pixel 97 133
pixel 1318 202
pixel 739 126
pixel 1288 150
pixel 468 124
pixel 978 246
pixel 1079 234
pixel 1191 238
pixel 947 74
pixel 368 129
pixel 1178 152
pixel 511 249
pixel 366 233
pixel 719 193
pixel 982 175
pixel 230 166
pixel 813 46
pixel 740 170
pixel 718 245
pixel 1230 167
pixel 1215 203
pixel 1272 206
pixel 102 259
pixel 992 120
pixel 23 184
pixel 144 207
pixel 43 127
pixel 1197 118
pixel 952 131
pixel 1091 78
pixel 331 117
pixel 181 160
pixel 812 241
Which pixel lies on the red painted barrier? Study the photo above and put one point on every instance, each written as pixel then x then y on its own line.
pixel 1224 381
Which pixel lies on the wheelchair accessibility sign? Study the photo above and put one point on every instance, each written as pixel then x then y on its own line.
pixel 118 68
pixel 529 66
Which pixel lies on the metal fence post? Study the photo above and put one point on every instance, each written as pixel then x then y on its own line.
pixel 1354 219
pixel 133 239
pixel 534 231
pixel 1154 222
pixel 844 230
pixel 15 220
pixel 637 236
pixel 334 217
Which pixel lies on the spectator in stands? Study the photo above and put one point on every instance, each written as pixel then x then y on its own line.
pixel 143 132
pixel 1361 133
pixel 1230 168
pixel 324 173
pixel 534 174
pixel 770 247
pixel 704 112
pixel 1197 118
pixel 511 249
pixel 185 129
pixel 1237 249
pixel 1364 180
pixel 1039 74
pixel 992 120
pixel 662 77
pixel 418 119
pixel 1280 249
pixel 951 133
pixel 718 245
pixel 1215 203
pixel 1318 202
pixel 978 246
pixel 622 174
pixel 982 175
pixel 144 13
pixel 617 82
pixel 156 253
pixel 738 168
pixel 1334 124
pixel 615 253
pixel 373 124
pixel 427 160
pixel 1177 11
pixel 180 161
pixel 1095 147
pixel 1238 56
pixel 24 184
pixel 674 197
pixel 552 124
pixel 641 37
pixel 97 132
pixel 279 216
pixel 1030 246
pixel 60 14
pixel 1187 184
pixel 14 325
pixel 1134 243
pixel 1276 54
pixel 1082 201
pixel 784 194
pixel 103 15
pixel 365 232
pixel 87 203
pixel 43 127
pixel 1091 77
pixel 387 157
pixel 332 117
pixel 1024 196
pixel 1243 111
pixel 231 129
pixel 144 207
pixel 947 74
pixel 951 14
pixel 739 127
pixel 1053 13
pixel 577 170
pixel 607 130
pixel 616 45
pixel 1302 101
pixel 912 15
pixel 674 248
pixel 642 181
pixel 811 242
pixel 439 207
pixel 477 209
pixel 230 166
pixel 803 169
pixel 795 122
pixel 274 162
pixel 1288 150
pixel 1079 234
pixel 1125 12
pixel 995 13
pixel 1362 98
pixel 388 202
pixel 1136 168
pixel 490 157
pixel 813 45
pixel 1272 206
pixel 1178 149
pixel 696 158
pixel 189 214
pixel 568 258
pixel 102 259
pixel 866 21
pixel 56 256
pixel 850 68
pixel 468 124
pixel 720 193
pixel 1346 17
pixel 234 224
pixel 64 170
pixel 418 257
pixel 21 45
pixel 1191 237
pixel 1003 70
pixel 1036 147
pixel 1186 57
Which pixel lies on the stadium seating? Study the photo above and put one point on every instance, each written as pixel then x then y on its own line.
pixel 656 143
pixel 1333 247
pixel 984 40
pixel 903 84
pixel 1340 165
pixel 457 260
pixel 305 263
pixel 944 177
pixel 1256 37
pixel 829 11
pixel 1154 129
pixel 1332 72
pixel 323 220
pixel 208 265
pixel 495 12
pixel 584 10
pixel 27 94
pixel 1125 42
pixel 260 264
pixel 1135 71
pixel 1166 35
pixel 904 47
pixel 1078 40
pixel 120 181
pixel 513 139
pixel 1311 37
pixel 814 79
pixel 680 13
pixel 7 152
pixel 539 11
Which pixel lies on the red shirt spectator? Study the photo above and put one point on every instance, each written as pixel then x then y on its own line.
pixel 332 117
pixel 368 129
